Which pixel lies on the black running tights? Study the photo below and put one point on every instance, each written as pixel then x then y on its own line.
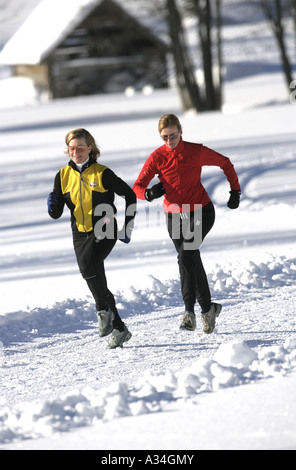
pixel 90 256
pixel 187 232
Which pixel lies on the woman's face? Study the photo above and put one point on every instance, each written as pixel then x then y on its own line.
pixel 79 150
pixel 171 135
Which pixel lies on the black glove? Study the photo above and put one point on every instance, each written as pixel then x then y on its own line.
pixel 52 201
pixel 234 199
pixel 155 192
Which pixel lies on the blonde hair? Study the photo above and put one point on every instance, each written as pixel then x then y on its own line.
pixel 89 139
pixel 168 120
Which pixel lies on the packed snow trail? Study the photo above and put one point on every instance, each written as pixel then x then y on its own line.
pixel 55 360
pixel 106 385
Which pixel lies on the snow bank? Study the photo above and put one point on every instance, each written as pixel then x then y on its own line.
pixel 20 91
pixel 277 271
pixel 233 364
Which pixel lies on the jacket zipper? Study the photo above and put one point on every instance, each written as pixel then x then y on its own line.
pixel 82 182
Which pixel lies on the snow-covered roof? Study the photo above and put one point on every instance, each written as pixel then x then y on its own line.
pixel 12 16
pixel 47 25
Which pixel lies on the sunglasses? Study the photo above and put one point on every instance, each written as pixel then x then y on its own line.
pixel 171 136
pixel 78 147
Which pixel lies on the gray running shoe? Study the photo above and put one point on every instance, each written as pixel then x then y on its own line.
pixel 105 320
pixel 119 337
pixel 188 321
pixel 209 319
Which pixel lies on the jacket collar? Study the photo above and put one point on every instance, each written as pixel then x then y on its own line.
pixel 176 150
pixel 90 162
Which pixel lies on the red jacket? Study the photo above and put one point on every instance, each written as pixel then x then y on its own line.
pixel 180 172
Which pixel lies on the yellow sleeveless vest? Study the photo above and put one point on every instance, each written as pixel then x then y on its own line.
pixel 80 188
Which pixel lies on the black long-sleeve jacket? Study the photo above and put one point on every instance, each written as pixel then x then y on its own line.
pixel 89 195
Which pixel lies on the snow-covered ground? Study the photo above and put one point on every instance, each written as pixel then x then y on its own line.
pixel 61 388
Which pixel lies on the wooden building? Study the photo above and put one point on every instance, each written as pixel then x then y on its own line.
pixel 74 47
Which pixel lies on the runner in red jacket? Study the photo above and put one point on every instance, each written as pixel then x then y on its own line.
pixel 189 211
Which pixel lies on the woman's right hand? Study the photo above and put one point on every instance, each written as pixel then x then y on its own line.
pixel 155 192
